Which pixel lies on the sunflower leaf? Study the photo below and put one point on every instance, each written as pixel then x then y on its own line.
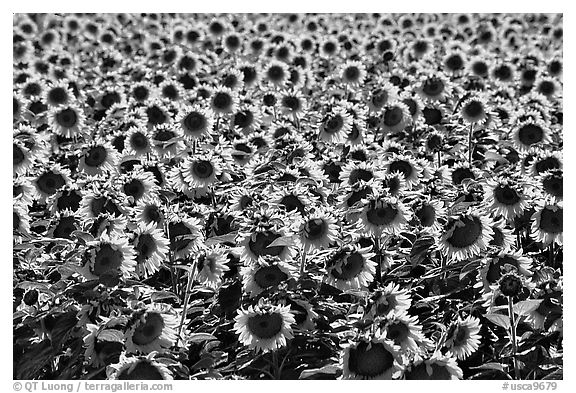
pixel 282 241
pixel 525 307
pixel 328 369
pixel 200 337
pixel 420 249
pixel 500 320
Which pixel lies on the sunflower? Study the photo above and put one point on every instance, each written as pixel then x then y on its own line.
pixel 264 327
pixel 335 125
pixel 186 236
pixel 223 100
pixel 64 224
pixel 276 73
pixel 97 200
pixel 546 161
pixel 137 184
pixel 434 88
pixel 195 121
pixel 58 94
pixel 371 359
pixel 212 263
pixel 152 329
pixel 547 223
pixel 503 237
pixel 505 261
pixel 529 133
pixel 138 368
pixel 436 367
pixel 350 267
pixel 20 219
pixel 23 159
pixel 151 248
pixel 317 230
pixel 293 104
pixel 49 181
pixel 67 121
pixel 202 170
pixel 138 141
pixel 142 92
pixel 552 184
pixel 455 62
pixel 353 73
pixel 474 110
pixel 429 213
pixel 465 236
pixel 404 331
pixel 104 344
pixel 108 259
pixel 23 191
pixel 405 165
pixel 105 223
pixel 395 117
pixel 383 215
pixel 98 157
pixel 463 337
pixel 167 141
pixel 268 272
pixel 390 300
pixel 384 93
pixel 149 210
pixel 246 119
pixel 504 197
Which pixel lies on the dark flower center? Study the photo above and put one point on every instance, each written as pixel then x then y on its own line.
pixel 467 234
pixel 275 73
pixel 155 115
pixel 381 215
pixel 65 227
pixel 393 116
pixel 461 174
pixel 551 221
pixel 139 141
pixel 243 119
pixel 404 167
pixel 50 182
pixel 474 109
pixel 432 116
pixel 265 326
pixel 553 184
pixel 222 101
pixel 433 87
pixel 547 164
pixel 510 285
pixel 350 267
pixel 96 156
pixel 107 260
pixel 146 247
pixel 134 188
pixel 506 195
pixel 178 235
pixel 360 174
pixel 530 134
pixel 195 122
pixel 140 93
pixel 315 228
pixel 371 362
pixel 147 332
pixel 333 124
pixel 202 169
pixel 110 99
pixel 454 62
pixel 291 102
pixel 67 118
pixel 427 215
pixel 398 332
pixel 269 276
pixel 352 73
pixel 17 155
pixel 259 246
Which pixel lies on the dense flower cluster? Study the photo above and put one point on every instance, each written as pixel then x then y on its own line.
pixel 318 196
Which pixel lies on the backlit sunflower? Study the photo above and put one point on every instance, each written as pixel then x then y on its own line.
pixel 547 223
pixel 138 141
pixel 202 170
pixel 67 121
pixel 552 183
pixel 529 133
pixel 186 236
pixel 212 263
pixel 464 337
pixel 267 273
pixel 502 263
pixel 149 210
pixel 317 230
pixel 98 158
pixel 383 215
pixel 404 331
pixel 138 368
pixel 465 236
pixel 371 359
pixel 407 166
pixel 109 259
pixel 104 344
pixel 504 197
pixel 390 300
pixel 395 117
pixel 350 267
pixel 335 126
pixel 151 248
pixel 152 329
pixel 437 367
pixel 49 181
pixel 264 327
pixel 137 184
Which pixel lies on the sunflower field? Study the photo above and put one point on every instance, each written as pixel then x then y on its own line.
pixel 287 196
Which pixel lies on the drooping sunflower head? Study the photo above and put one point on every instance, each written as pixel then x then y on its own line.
pixel 374 359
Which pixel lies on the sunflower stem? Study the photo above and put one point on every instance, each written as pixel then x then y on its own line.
pixel 275 363
pixel 470 143
pixel 303 263
pixel 513 336
pixel 439 158
pixel 378 247
pixel 186 299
